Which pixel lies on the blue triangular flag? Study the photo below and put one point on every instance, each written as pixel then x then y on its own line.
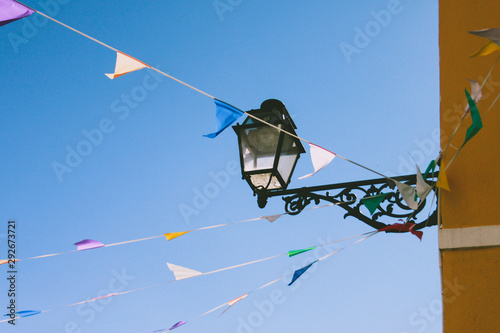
pixel 26 313
pixel 299 272
pixel 226 115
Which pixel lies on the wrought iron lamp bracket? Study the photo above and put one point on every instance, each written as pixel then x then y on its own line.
pixel 349 195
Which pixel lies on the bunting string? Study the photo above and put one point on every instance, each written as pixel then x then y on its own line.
pixel 295 276
pixel 202 92
pixel 267 217
pixel 445 149
pixel 371 233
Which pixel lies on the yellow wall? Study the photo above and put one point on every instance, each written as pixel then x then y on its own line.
pixel 470 277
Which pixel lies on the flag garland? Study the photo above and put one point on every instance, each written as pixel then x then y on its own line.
pixel 126 64
pixel 88 244
pixel 470 133
pixel 182 275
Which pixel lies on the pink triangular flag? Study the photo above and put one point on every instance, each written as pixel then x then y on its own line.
pixel 475 93
pixel 182 272
pixel 233 302
pixel 101 297
pixel 126 64
pixel 88 244
pixel 320 158
pixel 272 218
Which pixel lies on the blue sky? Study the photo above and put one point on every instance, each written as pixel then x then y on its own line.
pixel 359 78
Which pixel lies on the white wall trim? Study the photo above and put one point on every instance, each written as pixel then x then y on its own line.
pixel 461 238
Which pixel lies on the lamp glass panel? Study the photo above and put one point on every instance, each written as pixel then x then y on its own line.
pixel 290 152
pixel 258 147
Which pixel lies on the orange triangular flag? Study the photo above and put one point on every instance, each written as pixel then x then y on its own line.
pixel 442 181
pixel 126 64
pixel 172 235
pixel 3 262
pixel 233 302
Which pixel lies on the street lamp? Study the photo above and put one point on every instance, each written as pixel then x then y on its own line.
pixel 268 157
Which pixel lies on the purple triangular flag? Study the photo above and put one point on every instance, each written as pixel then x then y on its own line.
pixel 180 323
pixel 11 10
pixel 88 244
pixel 299 272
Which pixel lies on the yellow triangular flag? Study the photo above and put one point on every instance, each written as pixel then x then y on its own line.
pixel 442 181
pixel 126 64
pixel 487 49
pixel 172 235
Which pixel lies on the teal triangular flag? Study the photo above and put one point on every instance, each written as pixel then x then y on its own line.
pixel 476 119
pixel 295 252
pixel 373 202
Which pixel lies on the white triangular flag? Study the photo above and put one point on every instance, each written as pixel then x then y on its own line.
pixel 475 93
pixel 320 158
pixel 182 272
pixel 126 64
pixel 272 218
pixel 423 189
pixel 491 34
pixel 408 193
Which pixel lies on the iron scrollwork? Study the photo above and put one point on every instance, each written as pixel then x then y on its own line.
pixel 348 198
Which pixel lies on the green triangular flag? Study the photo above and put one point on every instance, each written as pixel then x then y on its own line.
pixel 295 252
pixel 372 202
pixel 476 119
pixel 430 168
